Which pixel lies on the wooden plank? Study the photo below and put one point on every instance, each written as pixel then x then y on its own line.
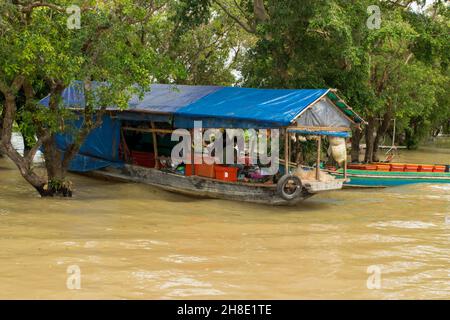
pixel 241 183
pixel 289 147
pixel 345 163
pixel 192 153
pixel 319 146
pixel 155 145
pixel 126 150
pixel 291 164
pixel 151 130
pixel 308 128
pixel 286 152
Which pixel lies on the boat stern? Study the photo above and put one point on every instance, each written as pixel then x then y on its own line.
pixel 321 186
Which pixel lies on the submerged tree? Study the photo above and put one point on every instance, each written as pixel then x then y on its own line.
pixel 119 43
pixel 47 45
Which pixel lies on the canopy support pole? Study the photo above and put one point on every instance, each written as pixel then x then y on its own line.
pixel 155 146
pixel 345 162
pixel 286 151
pixel 126 150
pixel 192 153
pixel 319 147
pixel 290 146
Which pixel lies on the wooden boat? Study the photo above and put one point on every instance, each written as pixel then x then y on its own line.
pixel 395 174
pixel 213 188
pixel 130 145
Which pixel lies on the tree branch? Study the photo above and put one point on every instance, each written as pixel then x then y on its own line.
pixel 399 3
pixel 28 8
pixel 244 25
pixel 17 84
pixel 260 11
pixel 408 58
pixel 95 37
pixel 4 88
pixel 30 156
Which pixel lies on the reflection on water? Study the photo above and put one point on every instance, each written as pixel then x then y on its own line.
pixel 135 241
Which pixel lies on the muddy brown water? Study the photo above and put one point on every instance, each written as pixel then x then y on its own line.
pixel 135 241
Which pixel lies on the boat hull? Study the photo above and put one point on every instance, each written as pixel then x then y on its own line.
pixel 378 179
pixel 201 187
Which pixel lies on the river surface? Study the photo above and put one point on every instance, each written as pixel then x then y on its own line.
pixel 128 241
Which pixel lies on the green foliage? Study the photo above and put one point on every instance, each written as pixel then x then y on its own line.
pixel 190 14
pixel 38 47
pixel 206 44
pixel 108 47
pixel 400 68
pixel 57 185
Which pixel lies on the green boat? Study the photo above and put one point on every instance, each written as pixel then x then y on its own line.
pixel 380 179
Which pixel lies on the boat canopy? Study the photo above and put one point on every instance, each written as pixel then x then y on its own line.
pixel 228 107
pixel 306 111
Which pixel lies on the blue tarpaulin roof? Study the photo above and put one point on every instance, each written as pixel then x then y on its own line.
pixel 73 96
pixel 218 106
pixel 169 98
pixel 161 98
pixel 279 107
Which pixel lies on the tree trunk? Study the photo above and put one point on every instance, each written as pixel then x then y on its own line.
pixel 260 11
pixel 356 140
pixel 54 183
pixel 30 98
pixel 376 142
pixel 1 126
pixel 50 186
pixel 381 132
pixel 56 172
pixel 52 157
pixel 56 161
pixel 23 164
pixel 369 135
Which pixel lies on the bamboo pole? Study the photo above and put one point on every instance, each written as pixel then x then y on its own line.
pixel 345 162
pixel 126 150
pixel 155 145
pixel 319 147
pixel 286 152
pixel 345 169
pixel 290 147
pixel 192 153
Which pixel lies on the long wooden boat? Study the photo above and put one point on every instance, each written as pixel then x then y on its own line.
pixel 136 140
pixel 212 188
pixel 374 177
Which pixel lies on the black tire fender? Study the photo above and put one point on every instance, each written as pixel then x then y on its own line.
pixel 282 184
